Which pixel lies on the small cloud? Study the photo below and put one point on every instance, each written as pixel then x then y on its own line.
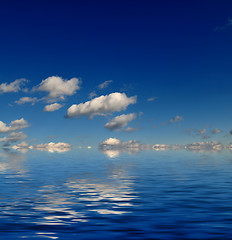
pixel 15 86
pixel 104 84
pixel 173 120
pixel 130 129
pixel 120 121
pixel 24 100
pixel 151 99
pixel 52 107
pixel 228 25
pixel 216 131
pixel 13 126
pixel 57 87
pixel 92 95
pixel 103 105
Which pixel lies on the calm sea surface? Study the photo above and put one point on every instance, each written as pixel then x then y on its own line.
pixel 88 195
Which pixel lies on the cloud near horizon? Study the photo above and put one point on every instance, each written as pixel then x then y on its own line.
pixel 49 147
pixel 120 121
pixel 103 105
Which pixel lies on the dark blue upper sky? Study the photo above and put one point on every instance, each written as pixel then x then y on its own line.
pixel 177 51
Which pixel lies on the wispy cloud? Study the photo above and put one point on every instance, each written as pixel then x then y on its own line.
pixel 228 25
pixel 92 95
pixel 24 100
pixel 216 131
pixel 103 105
pixel 151 99
pixel 104 84
pixel 120 121
pixel 130 129
pixel 173 120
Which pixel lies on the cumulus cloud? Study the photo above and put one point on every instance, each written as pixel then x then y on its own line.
pixel 173 120
pixel 12 138
pixel 13 126
pixel 15 86
pixel 58 87
pixel 24 100
pixel 103 105
pixel 120 121
pixel 52 107
pixel 151 99
pixel 105 84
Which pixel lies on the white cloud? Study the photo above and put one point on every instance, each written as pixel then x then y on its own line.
pixel 13 137
pixel 23 147
pixel 120 121
pixel 23 100
pixel 52 107
pixel 49 147
pixel 173 120
pixel 111 141
pixel 53 147
pixel 13 126
pixel 15 86
pixel 105 84
pixel 113 147
pixel 102 105
pixel 58 87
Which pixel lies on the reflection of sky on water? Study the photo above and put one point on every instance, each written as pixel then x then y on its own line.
pixel 12 161
pixel 63 203
pixel 77 197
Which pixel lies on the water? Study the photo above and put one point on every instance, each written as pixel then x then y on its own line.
pixel 87 195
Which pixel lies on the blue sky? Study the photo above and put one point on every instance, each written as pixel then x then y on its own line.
pixel 177 52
